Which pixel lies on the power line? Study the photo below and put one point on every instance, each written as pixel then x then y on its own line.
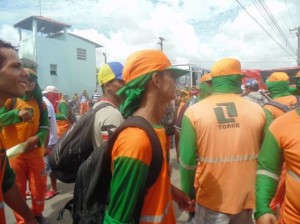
pixel 271 21
pixel 291 18
pixel 264 29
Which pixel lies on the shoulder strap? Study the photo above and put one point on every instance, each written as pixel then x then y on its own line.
pixel 278 105
pixel 12 103
pixel 102 105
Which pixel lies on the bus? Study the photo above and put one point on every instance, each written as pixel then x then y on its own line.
pixel 192 78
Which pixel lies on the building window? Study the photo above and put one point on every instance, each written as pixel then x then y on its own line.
pixel 53 69
pixel 81 54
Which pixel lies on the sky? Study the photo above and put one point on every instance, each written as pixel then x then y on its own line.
pixel 200 32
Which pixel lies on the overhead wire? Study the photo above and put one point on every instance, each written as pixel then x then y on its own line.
pixel 283 48
pixel 290 16
pixel 275 23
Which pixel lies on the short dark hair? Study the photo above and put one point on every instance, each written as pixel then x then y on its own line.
pixel 4 44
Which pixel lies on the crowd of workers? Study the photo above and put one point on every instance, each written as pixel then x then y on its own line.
pixel 238 152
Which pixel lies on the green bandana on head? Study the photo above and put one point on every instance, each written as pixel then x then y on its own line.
pixel 131 94
pixel 278 89
pixel 227 84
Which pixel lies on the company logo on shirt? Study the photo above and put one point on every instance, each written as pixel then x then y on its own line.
pixel 226 114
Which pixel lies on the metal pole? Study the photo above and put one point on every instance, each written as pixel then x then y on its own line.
pixel 298 50
pixel 298 35
pixel 105 59
pixel 161 39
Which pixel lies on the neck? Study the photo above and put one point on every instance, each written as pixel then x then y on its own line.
pixel 151 109
pixel 114 100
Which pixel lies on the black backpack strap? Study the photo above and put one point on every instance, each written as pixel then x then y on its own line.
pixel 278 105
pixel 12 103
pixel 157 156
pixel 101 105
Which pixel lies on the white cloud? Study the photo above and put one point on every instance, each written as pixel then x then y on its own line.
pixel 199 32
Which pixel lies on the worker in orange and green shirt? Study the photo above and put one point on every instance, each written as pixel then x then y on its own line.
pixel 29 166
pixel 224 132
pixel 281 145
pixel 205 91
pixel 149 85
pixel 296 90
pixel 278 87
pixel 12 84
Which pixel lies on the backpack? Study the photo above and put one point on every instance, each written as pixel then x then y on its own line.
pixel 74 147
pixel 283 107
pixel 92 184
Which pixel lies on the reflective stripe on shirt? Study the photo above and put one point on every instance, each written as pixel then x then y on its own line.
pixel 187 167
pixel 267 173
pixel 230 159
pixel 156 218
pixel 294 175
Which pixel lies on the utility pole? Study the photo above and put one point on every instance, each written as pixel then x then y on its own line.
pixel 161 40
pixel 298 51
pixel 105 57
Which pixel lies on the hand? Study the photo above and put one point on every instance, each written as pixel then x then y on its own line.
pixel 267 218
pixel 31 143
pixel 25 114
pixel 183 201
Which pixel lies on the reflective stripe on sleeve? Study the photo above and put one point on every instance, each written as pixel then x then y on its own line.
pixel 230 159
pixel 156 218
pixel 267 173
pixel 294 175
pixel 187 167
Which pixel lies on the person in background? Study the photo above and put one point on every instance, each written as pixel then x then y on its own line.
pixel 29 166
pixel 61 109
pixel 252 92
pixel 12 84
pixel 108 118
pixel 51 142
pixel 278 87
pixel 84 102
pixel 205 91
pixel 296 90
pixel 149 86
pixel 213 133
pixel 95 97
pixel 281 146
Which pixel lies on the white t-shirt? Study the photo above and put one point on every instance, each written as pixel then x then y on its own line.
pixel 51 114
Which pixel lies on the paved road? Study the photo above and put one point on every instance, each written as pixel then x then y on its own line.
pixel 53 205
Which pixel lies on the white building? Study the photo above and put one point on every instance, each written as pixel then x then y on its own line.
pixel 62 59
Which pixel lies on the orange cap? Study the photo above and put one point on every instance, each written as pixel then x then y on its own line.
pixel 298 74
pixel 205 78
pixel 278 76
pixel 226 66
pixel 146 61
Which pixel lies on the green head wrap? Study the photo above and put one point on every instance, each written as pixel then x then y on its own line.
pixel 205 90
pixel 227 84
pixel 131 94
pixel 278 89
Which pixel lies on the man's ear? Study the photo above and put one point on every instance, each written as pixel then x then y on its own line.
pixel 156 79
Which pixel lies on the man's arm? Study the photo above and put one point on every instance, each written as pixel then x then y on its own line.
pixel 270 162
pixel 188 158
